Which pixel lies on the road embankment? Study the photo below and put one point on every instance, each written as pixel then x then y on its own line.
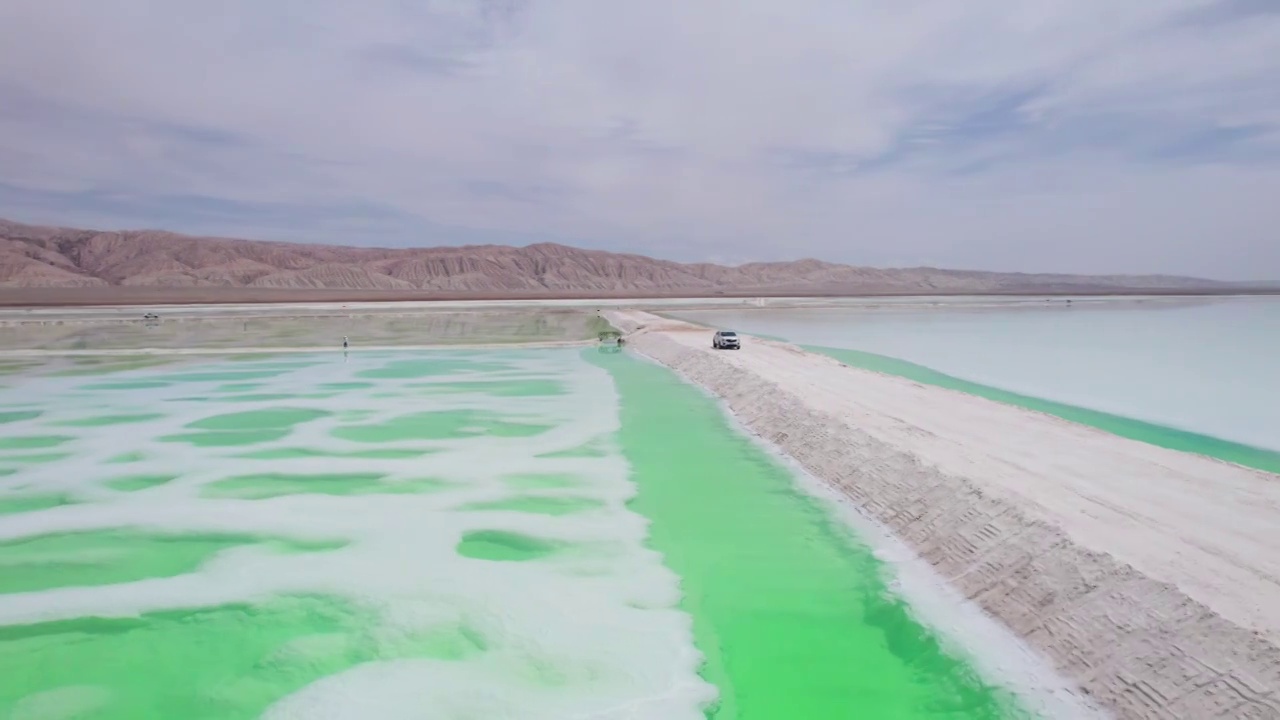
pixel 1148 577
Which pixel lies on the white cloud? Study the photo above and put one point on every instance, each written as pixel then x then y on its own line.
pixel 1082 135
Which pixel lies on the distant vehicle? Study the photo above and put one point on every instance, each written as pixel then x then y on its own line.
pixel 151 316
pixel 725 340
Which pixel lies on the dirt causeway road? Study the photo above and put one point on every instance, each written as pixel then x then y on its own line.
pixel 1148 577
pixel 301 304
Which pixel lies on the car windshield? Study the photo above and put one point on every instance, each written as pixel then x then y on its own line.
pixel 728 334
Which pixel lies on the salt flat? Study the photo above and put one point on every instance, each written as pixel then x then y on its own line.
pixel 314 536
pixel 1147 575
pixel 274 350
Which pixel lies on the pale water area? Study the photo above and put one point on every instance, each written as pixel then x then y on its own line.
pixel 447 534
pixel 1203 366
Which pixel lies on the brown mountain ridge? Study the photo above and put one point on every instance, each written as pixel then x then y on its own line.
pixel 51 257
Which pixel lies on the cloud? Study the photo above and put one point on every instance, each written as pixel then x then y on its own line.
pixel 1080 135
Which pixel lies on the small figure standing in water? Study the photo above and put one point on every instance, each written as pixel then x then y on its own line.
pixel 344 342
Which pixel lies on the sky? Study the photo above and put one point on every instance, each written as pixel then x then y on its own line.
pixel 1087 136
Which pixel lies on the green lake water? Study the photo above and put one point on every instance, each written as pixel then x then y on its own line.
pixel 791 611
pixel 491 518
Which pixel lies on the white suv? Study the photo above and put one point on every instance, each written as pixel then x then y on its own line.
pixel 725 340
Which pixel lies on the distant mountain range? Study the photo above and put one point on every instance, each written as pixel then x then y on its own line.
pixel 51 257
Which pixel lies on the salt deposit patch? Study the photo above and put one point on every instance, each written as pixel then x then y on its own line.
pixel 395 532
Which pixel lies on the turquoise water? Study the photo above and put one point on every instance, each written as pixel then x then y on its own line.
pixel 1193 375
